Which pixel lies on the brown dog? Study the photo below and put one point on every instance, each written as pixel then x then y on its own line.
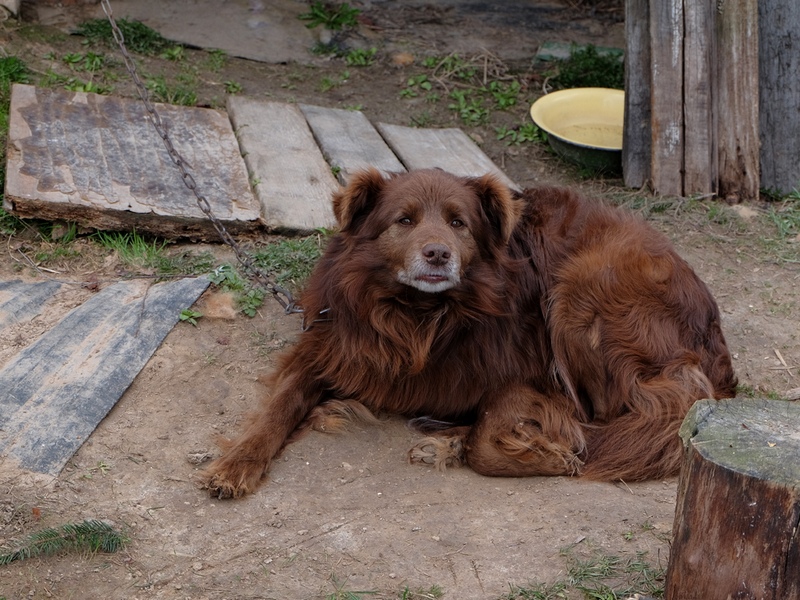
pixel 532 334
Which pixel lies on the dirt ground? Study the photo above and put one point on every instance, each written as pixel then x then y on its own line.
pixel 346 513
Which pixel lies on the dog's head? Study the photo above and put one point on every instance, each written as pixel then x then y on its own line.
pixel 428 225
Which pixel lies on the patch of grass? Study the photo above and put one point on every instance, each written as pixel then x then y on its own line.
pixel 432 593
pixel 415 85
pixel 174 53
pixel 87 536
pixel 9 224
pixel 328 84
pixel 599 576
pixel 139 37
pixel 181 93
pixel 248 297
pixel 190 316
pixel 216 60
pixel 138 252
pixel 340 593
pixel 586 67
pixel 232 87
pixel 290 261
pixel 331 16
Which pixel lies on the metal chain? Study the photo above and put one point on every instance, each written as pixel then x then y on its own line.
pixel 281 294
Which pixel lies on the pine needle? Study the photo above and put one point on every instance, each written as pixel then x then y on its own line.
pixel 89 536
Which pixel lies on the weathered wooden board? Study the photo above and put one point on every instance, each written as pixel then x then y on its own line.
pixel 736 80
pixel 700 159
pixel 20 301
pixel 779 94
pixel 666 48
pixel 448 149
pixel 289 174
pixel 736 520
pixel 59 388
pixel 636 142
pixel 349 141
pixel 98 160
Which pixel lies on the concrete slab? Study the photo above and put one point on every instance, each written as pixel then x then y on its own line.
pixel 57 390
pixel 264 30
pixel 290 176
pixel 98 161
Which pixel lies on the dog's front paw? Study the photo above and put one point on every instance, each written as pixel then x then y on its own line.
pixel 229 478
pixel 441 452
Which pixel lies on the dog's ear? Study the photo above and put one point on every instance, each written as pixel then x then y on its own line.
pixel 500 209
pixel 355 201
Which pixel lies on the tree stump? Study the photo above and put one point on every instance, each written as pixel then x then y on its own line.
pixel 737 519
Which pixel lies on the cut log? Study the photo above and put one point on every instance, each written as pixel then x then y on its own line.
pixel 736 522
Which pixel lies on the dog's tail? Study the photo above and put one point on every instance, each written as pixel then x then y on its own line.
pixel 643 443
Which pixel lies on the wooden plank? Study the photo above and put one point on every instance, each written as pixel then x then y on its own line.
pixel 700 164
pixel 735 533
pixel 20 301
pixel 636 142
pixel 349 142
pixel 737 100
pixel 779 94
pixel 447 149
pixel 59 388
pixel 290 176
pixel 666 109
pixel 98 160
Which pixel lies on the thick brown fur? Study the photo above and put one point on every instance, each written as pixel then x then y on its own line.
pixel 557 335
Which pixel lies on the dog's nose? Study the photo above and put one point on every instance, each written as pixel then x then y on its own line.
pixel 436 254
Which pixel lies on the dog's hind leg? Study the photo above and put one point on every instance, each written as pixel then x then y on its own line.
pixel 521 432
pixel 444 448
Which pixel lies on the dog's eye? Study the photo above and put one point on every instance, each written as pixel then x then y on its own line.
pixel 404 221
pixel 456 223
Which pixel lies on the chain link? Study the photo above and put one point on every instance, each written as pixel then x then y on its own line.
pixel 281 294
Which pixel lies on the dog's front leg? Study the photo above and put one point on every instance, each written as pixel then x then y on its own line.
pixel 247 458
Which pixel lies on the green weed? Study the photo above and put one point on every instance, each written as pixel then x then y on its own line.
pixel 341 594
pixel 331 16
pixel 190 316
pixel 87 536
pixel 232 87
pixel 415 85
pixel 469 107
pixel 216 60
pixel 527 132
pixel 586 67
pixel 505 95
pixel 432 593
pixel 598 576
pixel 291 260
pixel 139 37
pixel 181 93
pixel 360 57
pixel 175 53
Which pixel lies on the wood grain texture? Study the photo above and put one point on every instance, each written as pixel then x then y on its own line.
pixel 447 149
pixel 98 160
pixel 290 176
pixel 20 301
pixel 779 94
pixel 737 519
pixel 349 141
pixel 737 100
pixel 666 47
pixel 636 142
pixel 59 388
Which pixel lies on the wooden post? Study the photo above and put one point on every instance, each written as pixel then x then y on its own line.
pixel 636 142
pixel 737 519
pixel 779 93
pixel 696 64
pixel 736 117
pixel 666 55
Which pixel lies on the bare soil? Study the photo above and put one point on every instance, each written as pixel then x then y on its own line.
pixel 346 512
